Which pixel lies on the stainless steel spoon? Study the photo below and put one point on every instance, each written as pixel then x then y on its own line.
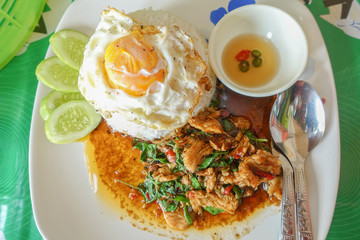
pixel 297 125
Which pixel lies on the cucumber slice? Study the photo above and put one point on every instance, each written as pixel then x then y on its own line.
pixel 71 121
pixel 69 46
pixel 55 99
pixel 57 75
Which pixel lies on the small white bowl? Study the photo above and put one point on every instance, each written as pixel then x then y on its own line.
pixel 268 22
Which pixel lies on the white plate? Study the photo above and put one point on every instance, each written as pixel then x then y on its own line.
pixel 64 205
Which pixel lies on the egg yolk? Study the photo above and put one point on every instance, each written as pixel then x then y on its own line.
pixel 132 64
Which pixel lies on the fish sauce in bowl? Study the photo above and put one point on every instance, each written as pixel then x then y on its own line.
pixel 255 76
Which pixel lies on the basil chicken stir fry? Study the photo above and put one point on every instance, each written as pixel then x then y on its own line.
pixel 208 165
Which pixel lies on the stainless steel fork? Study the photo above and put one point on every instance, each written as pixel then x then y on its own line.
pixel 287 230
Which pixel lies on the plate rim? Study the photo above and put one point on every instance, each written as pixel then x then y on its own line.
pixel 40 91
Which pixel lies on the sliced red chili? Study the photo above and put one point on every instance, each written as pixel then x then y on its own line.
pixel 239 153
pixel 170 153
pixel 263 174
pixel 148 196
pixel 228 189
pixel 171 156
pixel 243 55
pixel 191 195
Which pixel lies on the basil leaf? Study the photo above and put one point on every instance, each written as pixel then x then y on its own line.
pixel 169 206
pixel 208 160
pixel 187 215
pixel 180 198
pixel 135 141
pixel 215 103
pixel 195 183
pixel 205 163
pixel 150 151
pixel 167 188
pixel 227 125
pixel 152 190
pixel 257 142
pixel 140 188
pixel 179 161
pixel 171 143
pixel 235 169
pixel 155 155
pixel 181 187
pixel 172 207
pixel 197 132
pixel 213 211
pixel 239 192
pixel 222 162
pixel 142 146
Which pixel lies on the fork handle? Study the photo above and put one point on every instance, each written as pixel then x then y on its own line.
pixel 303 218
pixel 287 231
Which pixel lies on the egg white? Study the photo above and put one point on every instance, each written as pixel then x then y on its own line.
pixel 165 106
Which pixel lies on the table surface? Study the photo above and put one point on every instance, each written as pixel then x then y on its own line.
pixel 339 22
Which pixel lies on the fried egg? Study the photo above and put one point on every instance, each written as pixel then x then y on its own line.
pixel 146 72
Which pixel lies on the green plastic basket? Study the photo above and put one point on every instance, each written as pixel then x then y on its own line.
pixel 18 19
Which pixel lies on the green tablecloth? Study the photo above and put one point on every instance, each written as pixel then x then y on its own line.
pixel 17 92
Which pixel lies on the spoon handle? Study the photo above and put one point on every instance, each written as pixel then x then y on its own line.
pixel 287 231
pixel 303 218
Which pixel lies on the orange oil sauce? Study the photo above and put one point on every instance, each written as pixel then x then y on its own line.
pixel 255 76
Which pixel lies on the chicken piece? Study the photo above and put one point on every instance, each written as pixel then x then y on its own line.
pixel 153 167
pixel 211 112
pixel 240 122
pixel 274 187
pixel 194 153
pixel 253 170
pixel 222 142
pixel 209 178
pixel 176 219
pixel 181 142
pixel 163 174
pixel 264 161
pixel 206 124
pixel 185 180
pixel 248 191
pixel 244 177
pixel 244 147
pixel 198 199
pixel 239 136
